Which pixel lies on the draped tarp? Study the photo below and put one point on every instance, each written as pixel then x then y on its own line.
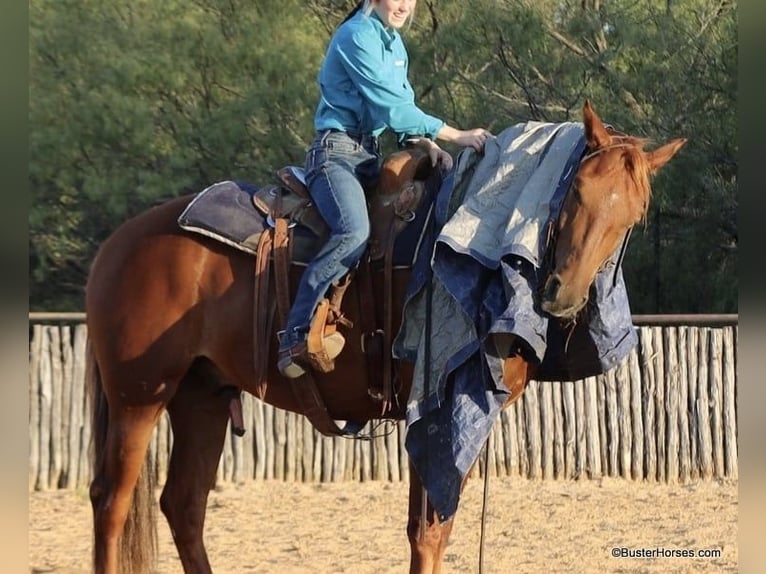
pixel 483 258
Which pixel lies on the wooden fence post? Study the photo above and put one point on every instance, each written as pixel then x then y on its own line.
pixel 34 405
pixel 592 433
pixel 78 416
pixel 715 373
pixel 672 394
pixel 638 463
pixel 624 418
pixel 730 403
pixel 667 414
pixel 570 430
pixel 46 399
pixel 703 408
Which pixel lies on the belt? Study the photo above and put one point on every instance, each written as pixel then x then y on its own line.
pixel 360 138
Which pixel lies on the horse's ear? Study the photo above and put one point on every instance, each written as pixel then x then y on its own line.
pixel 662 155
pixel 595 133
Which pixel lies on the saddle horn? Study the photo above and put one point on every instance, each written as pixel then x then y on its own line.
pixel 402 167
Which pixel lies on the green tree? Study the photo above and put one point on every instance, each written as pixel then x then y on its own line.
pixel 654 69
pixel 133 103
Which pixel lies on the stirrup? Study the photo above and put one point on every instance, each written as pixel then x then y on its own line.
pixel 333 344
pixel 293 362
pixel 321 354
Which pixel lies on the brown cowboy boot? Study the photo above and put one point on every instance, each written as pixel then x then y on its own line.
pixel 294 361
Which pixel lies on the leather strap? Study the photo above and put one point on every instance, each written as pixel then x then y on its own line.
pixel 388 327
pixel 282 269
pixel 336 315
pixel 372 336
pixel 304 387
pixel 263 313
pixel 313 406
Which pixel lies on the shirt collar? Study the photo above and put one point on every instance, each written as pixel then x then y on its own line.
pixel 388 35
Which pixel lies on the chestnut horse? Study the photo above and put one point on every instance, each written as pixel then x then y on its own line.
pixel 170 322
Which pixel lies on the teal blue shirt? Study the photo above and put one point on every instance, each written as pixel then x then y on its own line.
pixel 364 86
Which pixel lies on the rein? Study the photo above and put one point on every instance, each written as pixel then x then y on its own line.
pixel 624 245
pixel 484 498
pixel 426 388
pixel 623 249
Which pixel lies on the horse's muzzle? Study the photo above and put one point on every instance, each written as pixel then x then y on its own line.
pixel 556 300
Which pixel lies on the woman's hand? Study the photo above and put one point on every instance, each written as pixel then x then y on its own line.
pixel 438 155
pixel 474 138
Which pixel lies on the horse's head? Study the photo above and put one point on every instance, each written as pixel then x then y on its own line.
pixel 610 194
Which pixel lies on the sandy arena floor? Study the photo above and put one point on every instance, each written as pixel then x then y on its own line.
pixel 532 526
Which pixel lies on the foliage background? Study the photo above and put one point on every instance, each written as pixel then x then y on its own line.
pixel 132 103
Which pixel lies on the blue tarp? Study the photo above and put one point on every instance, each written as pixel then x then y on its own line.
pixel 480 292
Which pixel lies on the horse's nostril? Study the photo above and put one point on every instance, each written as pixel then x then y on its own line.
pixel 552 287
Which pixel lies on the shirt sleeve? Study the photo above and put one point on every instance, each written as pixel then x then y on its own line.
pixel 389 101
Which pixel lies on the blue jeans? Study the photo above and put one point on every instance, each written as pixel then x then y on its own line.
pixel 337 167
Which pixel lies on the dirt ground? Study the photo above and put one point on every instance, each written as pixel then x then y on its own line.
pixel 531 527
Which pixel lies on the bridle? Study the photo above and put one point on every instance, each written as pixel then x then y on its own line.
pixel 549 256
pixel 601 150
pixel 546 266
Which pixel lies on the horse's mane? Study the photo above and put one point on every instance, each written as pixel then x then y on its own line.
pixel 637 167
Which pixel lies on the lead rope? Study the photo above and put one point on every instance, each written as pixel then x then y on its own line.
pixel 430 224
pixel 623 248
pixel 484 506
pixel 426 391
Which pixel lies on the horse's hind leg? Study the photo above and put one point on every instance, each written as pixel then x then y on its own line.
pixel 118 511
pixel 198 416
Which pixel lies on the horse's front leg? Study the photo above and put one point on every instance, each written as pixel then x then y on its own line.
pixel 426 548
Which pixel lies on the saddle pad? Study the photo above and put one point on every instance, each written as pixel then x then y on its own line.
pixel 225 212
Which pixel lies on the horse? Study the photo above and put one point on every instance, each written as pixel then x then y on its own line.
pixel 170 325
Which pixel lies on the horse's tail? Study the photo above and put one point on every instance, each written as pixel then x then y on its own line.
pixel 138 543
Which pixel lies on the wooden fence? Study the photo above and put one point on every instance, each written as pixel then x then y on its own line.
pixel 667 414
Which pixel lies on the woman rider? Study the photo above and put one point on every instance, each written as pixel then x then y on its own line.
pixel 364 90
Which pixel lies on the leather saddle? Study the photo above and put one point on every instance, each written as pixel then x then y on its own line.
pixel 280 225
pixel 391 206
pixel 289 198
